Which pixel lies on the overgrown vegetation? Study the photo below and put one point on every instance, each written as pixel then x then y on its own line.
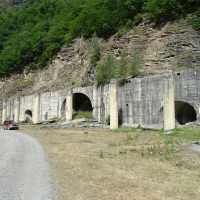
pixel 82 114
pixel 164 146
pixel 30 35
pixel 112 68
pixel 95 51
pixel 195 20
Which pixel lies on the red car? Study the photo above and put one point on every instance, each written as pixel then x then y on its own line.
pixel 10 125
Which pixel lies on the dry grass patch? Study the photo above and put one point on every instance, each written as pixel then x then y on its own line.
pixel 96 164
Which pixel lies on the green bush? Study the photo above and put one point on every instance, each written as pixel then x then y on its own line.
pixel 162 10
pixel 105 71
pixel 165 10
pixel 95 51
pixel 195 20
pixel 111 68
pixel 134 65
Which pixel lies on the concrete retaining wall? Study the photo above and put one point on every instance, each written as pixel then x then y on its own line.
pixel 142 102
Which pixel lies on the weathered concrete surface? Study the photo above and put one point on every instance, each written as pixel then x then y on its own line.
pixel 114 114
pixel 147 102
pixel 187 85
pixel 69 106
pixel 171 47
pixel 36 109
pixel 169 105
pixel 24 173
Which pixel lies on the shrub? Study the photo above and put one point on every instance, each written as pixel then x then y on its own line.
pixel 111 68
pixel 195 20
pixel 134 65
pixel 162 10
pixel 95 51
pixel 165 10
pixel 105 71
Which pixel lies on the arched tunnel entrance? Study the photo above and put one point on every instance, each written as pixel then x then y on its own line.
pixel 82 106
pixel 184 112
pixel 28 116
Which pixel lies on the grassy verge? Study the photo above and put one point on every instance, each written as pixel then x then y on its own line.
pixel 79 115
pixel 124 164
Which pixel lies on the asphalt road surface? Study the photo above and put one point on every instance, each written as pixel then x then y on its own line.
pixel 24 173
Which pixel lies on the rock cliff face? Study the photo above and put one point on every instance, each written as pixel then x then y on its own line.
pixel 175 46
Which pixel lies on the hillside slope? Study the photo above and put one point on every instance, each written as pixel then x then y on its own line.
pixel 66 43
pixel 33 33
pixel 175 46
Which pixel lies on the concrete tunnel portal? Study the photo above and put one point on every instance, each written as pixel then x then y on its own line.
pixel 28 115
pixel 82 104
pixel 184 112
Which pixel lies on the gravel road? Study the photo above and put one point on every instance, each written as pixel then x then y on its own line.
pixel 24 173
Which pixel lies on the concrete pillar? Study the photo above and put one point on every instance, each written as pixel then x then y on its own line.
pixel 114 115
pixel 169 105
pixel 4 111
pixel 95 102
pixel 140 100
pixel 36 109
pixel 12 109
pixel 69 106
pixel 16 109
pixel 99 104
pixel 21 111
pixel 130 114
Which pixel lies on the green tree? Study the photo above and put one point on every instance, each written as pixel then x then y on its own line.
pixel 162 10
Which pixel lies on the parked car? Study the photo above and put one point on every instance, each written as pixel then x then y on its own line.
pixel 10 125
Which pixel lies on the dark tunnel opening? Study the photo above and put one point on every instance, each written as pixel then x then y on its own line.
pixel 28 116
pixel 82 106
pixel 184 112
pixel 28 113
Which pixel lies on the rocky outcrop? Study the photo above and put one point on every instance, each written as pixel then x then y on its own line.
pixel 69 68
pixel 172 47
pixel 175 46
